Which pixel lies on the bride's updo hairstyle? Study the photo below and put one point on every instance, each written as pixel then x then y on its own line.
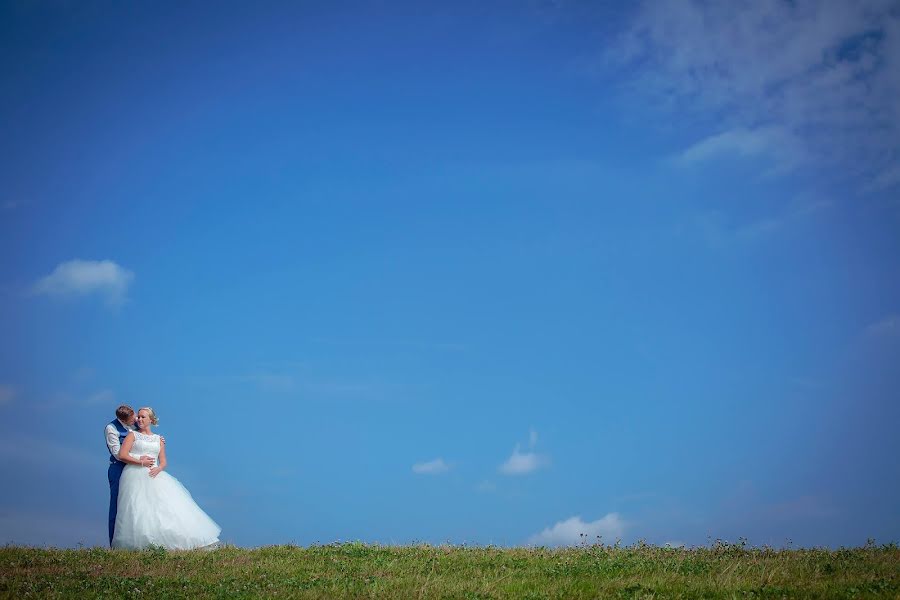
pixel 154 420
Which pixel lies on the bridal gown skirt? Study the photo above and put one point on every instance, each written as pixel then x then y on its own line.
pixel 159 511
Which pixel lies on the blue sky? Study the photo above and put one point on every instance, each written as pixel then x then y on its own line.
pixel 481 274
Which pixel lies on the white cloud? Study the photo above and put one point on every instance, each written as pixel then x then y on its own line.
pixel 432 467
pixel 520 463
pixel 7 394
pixel 715 228
pixel 532 438
pixel 574 531
pixel 85 277
pixel 888 326
pixel 102 397
pixel 769 142
pixel 810 82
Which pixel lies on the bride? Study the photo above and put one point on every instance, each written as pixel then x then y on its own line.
pixel 154 508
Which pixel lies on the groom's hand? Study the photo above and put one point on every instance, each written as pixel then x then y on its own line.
pixel 147 458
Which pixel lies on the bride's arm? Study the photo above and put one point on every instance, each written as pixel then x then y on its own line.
pixel 161 464
pixel 126 448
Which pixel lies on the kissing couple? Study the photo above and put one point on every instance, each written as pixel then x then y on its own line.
pixel 146 504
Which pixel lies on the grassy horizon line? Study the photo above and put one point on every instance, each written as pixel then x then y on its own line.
pixel 357 569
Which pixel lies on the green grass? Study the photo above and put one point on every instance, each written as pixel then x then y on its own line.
pixel 357 570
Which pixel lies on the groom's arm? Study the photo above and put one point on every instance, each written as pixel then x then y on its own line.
pixel 112 441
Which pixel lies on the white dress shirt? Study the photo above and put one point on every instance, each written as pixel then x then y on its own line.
pixel 112 438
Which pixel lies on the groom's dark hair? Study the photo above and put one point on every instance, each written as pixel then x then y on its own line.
pixel 123 412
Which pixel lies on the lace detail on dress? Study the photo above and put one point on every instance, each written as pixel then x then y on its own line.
pixel 145 445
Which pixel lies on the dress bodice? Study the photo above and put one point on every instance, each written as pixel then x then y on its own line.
pixel 145 445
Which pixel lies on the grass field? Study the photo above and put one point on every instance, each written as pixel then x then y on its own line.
pixel 355 570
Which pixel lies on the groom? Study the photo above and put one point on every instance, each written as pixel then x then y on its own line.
pixel 116 432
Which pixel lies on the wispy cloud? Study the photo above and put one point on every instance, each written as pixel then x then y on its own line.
pixel 7 394
pixel 800 82
pixel 574 531
pixel 772 143
pixel 522 463
pixel 431 467
pixel 104 278
pixel 102 397
pixel 888 326
pixel 718 230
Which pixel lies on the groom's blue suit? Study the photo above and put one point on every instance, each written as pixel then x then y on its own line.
pixel 115 473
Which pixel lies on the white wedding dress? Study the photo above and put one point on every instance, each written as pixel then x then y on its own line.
pixel 158 510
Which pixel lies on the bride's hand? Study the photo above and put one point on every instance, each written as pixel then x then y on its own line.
pixel 155 471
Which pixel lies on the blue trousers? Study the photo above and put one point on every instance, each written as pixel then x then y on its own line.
pixel 115 473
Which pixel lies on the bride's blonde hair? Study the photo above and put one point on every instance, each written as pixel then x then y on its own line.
pixel 154 420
